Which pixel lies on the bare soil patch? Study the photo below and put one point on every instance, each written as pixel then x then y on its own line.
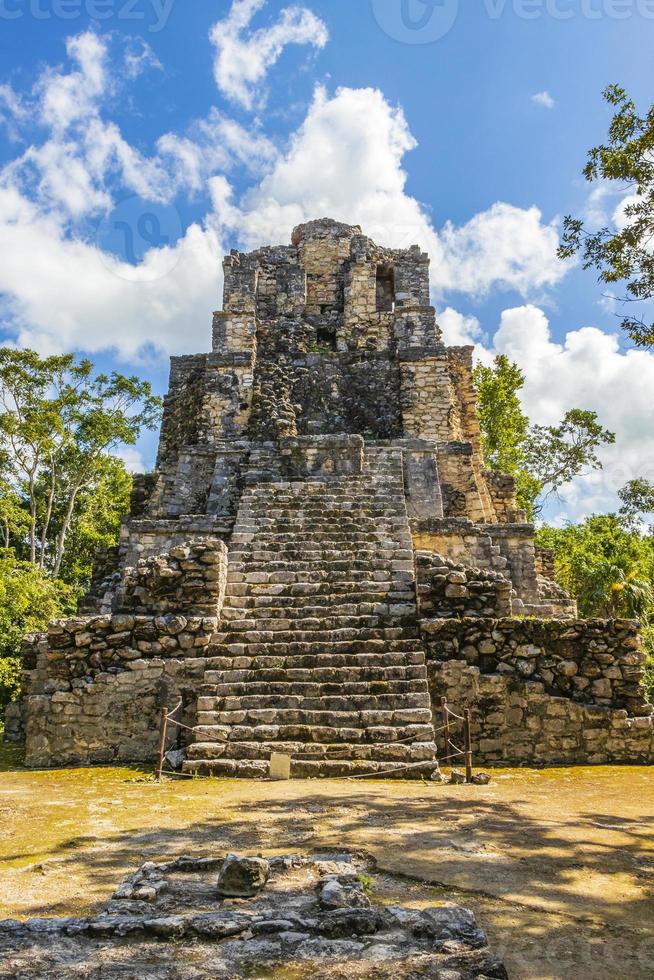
pixel 556 864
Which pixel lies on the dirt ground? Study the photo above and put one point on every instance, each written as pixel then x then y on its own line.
pixel 557 864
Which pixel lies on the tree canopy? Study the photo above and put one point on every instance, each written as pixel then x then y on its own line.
pixel 541 458
pixel 60 424
pixel 62 489
pixel 624 251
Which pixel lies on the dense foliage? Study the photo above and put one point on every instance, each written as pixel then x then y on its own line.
pixel 28 599
pixel 607 561
pixel 62 491
pixel 623 252
pixel 541 458
pixel 608 564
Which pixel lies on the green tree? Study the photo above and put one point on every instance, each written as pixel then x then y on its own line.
pixel 608 565
pixel 14 518
pixel 555 454
pixel 28 600
pixel 622 253
pixel 605 564
pixel 97 518
pixel 504 425
pixel 61 422
pixel 541 458
pixel 637 498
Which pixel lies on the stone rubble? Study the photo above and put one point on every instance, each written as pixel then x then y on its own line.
pixel 242 877
pixel 166 922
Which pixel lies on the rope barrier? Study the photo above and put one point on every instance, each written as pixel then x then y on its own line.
pixel 401 768
pixel 454 752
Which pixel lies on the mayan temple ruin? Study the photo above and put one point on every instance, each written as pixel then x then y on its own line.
pixel 321 555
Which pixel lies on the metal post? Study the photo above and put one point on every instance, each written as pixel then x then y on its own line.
pixel 163 728
pixel 446 728
pixel 468 744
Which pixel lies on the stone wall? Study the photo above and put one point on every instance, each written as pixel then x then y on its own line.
pixel 321 456
pixel 515 722
pixel 95 685
pixel 516 544
pixel 543 692
pixel 429 410
pixel 189 579
pixel 588 661
pixel 145 538
pixel 460 482
pixel 459 540
pixel 447 590
pixel 112 718
pixel 545 563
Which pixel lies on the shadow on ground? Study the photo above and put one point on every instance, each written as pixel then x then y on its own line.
pixel 556 864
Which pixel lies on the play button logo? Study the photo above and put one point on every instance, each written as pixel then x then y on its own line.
pixel 416 21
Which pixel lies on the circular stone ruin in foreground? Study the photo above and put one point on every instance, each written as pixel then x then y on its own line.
pixel 295 917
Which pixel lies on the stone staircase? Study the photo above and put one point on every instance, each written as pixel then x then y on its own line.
pixel 320 656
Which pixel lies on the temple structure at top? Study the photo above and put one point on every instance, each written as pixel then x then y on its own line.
pixel 328 337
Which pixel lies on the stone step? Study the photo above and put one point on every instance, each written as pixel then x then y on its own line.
pixel 304 526
pixel 318 582
pixel 299 708
pixel 400 626
pixel 322 589
pixel 321 538
pixel 314 648
pixel 373 699
pixel 314 696
pixel 356 500
pixel 350 661
pixel 293 607
pixel 335 537
pixel 361 492
pixel 319 674
pixel 305 769
pixel 383 735
pixel 318 636
pixel 312 726
pixel 382 626
pixel 292 566
pixel 414 751
pixel 287 553
pixel 369 577
pixel 314 515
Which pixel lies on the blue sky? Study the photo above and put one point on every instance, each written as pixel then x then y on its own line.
pixel 199 125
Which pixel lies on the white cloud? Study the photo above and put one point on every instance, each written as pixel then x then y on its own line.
pixel 360 141
pixel 504 246
pixel 243 56
pixel 588 370
pixel 543 99
pixel 73 168
pixel 459 330
pixel 12 110
pixel 139 57
pixel 133 459
pixel 67 98
pixel 64 294
pixel 216 143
